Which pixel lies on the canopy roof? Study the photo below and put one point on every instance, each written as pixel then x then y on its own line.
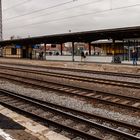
pixel 86 36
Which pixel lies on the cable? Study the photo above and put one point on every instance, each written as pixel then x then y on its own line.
pixel 59 19
pixel 36 11
pixel 24 2
pixel 54 12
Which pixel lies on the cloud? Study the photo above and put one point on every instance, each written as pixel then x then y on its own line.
pixel 75 16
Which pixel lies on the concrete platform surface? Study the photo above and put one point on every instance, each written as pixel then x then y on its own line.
pixel 11 130
pixel 14 126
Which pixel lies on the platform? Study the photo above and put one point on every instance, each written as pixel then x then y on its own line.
pixel 14 126
pixel 10 130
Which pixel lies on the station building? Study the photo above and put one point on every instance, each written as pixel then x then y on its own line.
pixel 108 42
pixel 98 48
pixel 16 51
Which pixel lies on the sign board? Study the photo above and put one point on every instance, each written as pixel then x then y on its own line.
pixel 35 46
pixel 17 46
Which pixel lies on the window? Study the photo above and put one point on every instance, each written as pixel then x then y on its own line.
pixel 53 46
pixel 13 51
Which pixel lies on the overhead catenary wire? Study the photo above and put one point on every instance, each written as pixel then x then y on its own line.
pixel 43 9
pixel 65 18
pixel 19 4
pixel 57 11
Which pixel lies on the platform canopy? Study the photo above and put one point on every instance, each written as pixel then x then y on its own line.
pixel 86 36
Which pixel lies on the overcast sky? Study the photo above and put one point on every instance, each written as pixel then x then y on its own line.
pixel 42 17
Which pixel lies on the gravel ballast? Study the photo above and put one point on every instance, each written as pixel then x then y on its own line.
pixel 71 102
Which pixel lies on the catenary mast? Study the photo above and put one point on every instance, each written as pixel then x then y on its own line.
pixel 0 20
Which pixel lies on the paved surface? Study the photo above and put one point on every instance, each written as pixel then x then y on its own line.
pixel 10 130
pixel 80 65
pixel 17 127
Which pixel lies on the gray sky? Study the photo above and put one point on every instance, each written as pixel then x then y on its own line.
pixel 60 16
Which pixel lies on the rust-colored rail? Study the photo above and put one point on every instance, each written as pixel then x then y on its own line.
pixel 127 84
pixel 128 102
pixel 51 115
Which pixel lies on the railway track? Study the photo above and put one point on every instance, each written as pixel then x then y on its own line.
pixel 126 102
pixel 85 125
pixel 75 77
pixel 130 75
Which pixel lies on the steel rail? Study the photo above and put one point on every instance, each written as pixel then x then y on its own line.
pixel 130 75
pixel 76 118
pixel 50 122
pixel 58 87
pixel 78 112
pixel 81 78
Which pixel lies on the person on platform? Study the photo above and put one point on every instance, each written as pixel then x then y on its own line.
pixel 41 55
pixel 82 56
pixel 134 57
pixel 30 55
